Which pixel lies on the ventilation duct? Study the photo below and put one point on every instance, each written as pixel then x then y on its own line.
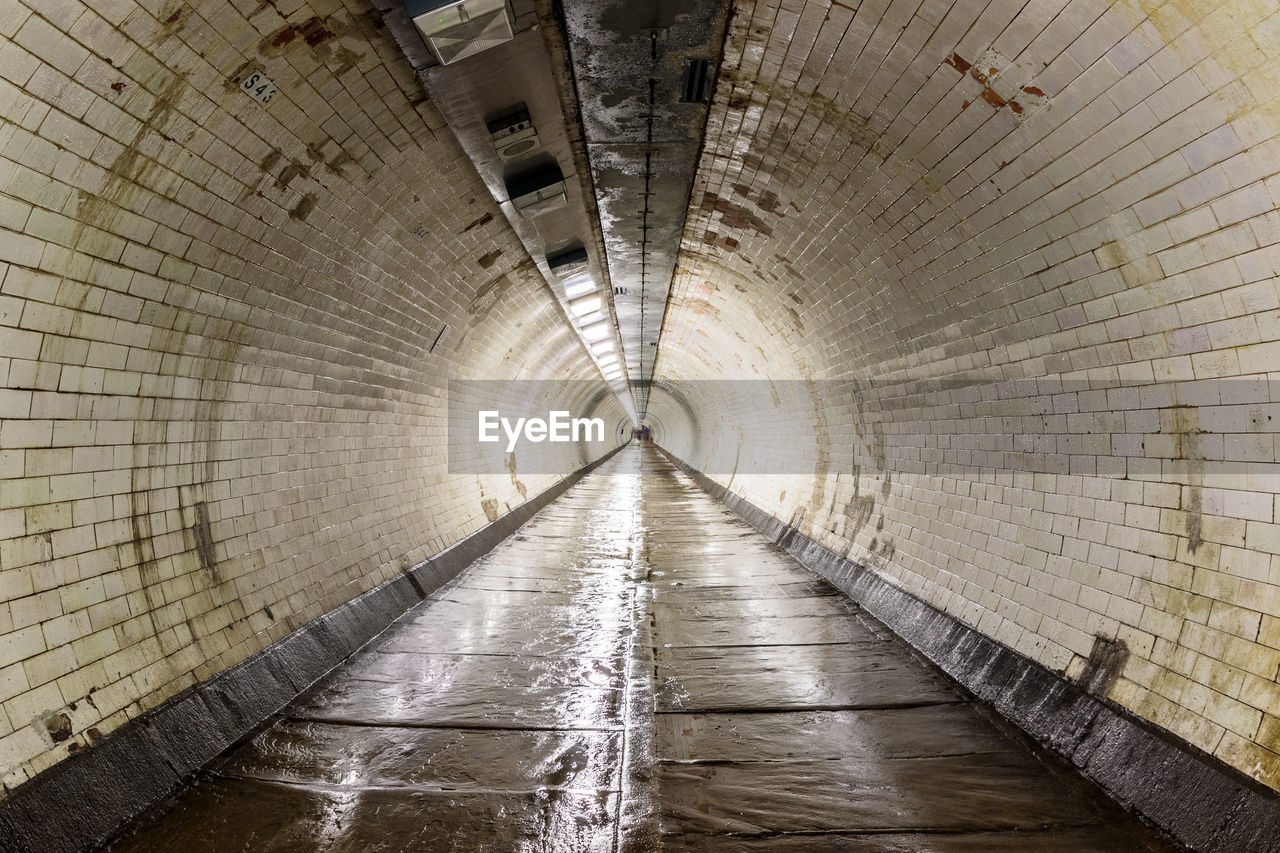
pixel 514 135
pixel 456 29
pixel 568 263
pixel 538 191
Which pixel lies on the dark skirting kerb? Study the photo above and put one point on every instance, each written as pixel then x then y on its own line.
pixel 1198 799
pixel 84 800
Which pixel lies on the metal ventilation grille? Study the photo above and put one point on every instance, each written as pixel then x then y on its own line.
pixel 471 37
pixel 519 148
pixel 695 83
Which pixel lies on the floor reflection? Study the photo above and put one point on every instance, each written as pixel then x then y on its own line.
pixel 635 668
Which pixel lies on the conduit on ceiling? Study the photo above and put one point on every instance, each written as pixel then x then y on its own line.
pixel 487 69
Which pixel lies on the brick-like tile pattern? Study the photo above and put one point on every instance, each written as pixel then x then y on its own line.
pixel 222 411
pixel 1030 206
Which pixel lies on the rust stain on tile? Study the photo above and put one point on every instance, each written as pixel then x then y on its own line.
pixel 989 95
pixel 476 223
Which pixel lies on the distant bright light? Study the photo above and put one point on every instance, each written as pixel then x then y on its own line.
pixel 600 347
pixel 606 360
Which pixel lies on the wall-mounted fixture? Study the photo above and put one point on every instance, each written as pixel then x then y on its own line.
pixel 568 263
pixel 538 191
pixel 509 116
pixel 456 29
pixel 514 135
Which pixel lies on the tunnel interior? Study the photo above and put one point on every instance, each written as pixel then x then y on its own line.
pixel 970 307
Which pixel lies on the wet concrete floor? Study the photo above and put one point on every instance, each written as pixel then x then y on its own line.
pixel 635 669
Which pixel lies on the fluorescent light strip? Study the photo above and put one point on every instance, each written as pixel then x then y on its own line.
pixel 579 287
pixel 585 305
pixel 597 331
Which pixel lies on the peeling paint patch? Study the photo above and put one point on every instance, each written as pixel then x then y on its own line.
pixel 58 726
pixel 989 95
pixel 1004 83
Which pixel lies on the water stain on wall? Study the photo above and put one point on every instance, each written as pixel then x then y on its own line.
pixel 1105 664
pixel 511 469
pixel 321 35
pixel 476 223
pixel 202 531
pixel 822 444
pixel 1183 423
pixel 734 215
pixel 857 512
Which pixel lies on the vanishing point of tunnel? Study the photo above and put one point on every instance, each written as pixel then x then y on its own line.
pixel 639 425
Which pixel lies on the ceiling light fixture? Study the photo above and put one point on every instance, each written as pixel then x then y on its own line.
pixel 578 286
pixel 597 331
pixel 585 305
